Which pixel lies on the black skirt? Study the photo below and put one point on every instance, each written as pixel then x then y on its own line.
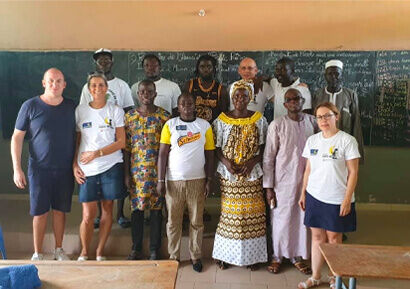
pixel 326 216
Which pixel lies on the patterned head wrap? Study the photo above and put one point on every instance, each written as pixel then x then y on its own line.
pixel 242 84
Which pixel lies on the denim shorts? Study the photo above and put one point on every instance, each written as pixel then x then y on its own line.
pixel 50 189
pixel 108 185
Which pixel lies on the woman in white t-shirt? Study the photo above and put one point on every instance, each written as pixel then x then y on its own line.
pixel 98 164
pixel 328 186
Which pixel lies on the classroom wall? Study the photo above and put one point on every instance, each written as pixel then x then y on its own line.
pixel 227 25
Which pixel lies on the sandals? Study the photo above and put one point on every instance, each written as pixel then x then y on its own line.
pixel 253 267
pixel 303 268
pixel 222 265
pixel 309 283
pixel 332 281
pixel 274 267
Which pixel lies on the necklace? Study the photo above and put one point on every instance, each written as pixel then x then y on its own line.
pixel 206 89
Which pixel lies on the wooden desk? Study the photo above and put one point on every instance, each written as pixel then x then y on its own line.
pixel 103 275
pixel 353 261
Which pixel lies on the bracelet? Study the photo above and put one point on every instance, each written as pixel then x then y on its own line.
pixel 161 181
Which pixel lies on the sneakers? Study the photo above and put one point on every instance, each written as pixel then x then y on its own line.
pixel 96 223
pixel 154 255
pixel 82 258
pixel 37 257
pixel 135 255
pixel 60 255
pixel 124 222
pixel 101 258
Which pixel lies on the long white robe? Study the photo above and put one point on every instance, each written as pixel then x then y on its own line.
pixel 283 168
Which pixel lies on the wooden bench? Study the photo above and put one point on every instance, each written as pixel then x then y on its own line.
pixel 364 261
pixel 103 275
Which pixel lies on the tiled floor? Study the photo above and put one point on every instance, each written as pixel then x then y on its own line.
pixel 242 278
pixel 377 225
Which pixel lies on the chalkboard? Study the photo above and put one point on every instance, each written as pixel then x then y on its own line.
pixel 369 73
pixel 391 117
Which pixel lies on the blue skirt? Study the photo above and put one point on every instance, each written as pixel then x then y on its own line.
pixel 326 216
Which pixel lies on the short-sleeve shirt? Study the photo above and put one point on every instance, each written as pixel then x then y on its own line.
pixel 51 132
pixel 328 171
pixel 97 128
pixel 167 94
pixel 118 93
pixel 188 141
pixel 279 96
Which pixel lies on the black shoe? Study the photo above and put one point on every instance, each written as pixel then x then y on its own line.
pixel 197 266
pixel 344 237
pixel 153 255
pixel 97 223
pixel 207 216
pixel 135 255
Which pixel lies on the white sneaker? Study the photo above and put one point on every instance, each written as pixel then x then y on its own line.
pixel 60 255
pixel 101 258
pixel 37 257
pixel 82 258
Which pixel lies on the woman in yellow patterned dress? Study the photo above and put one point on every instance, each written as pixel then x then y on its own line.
pixel 240 237
pixel 143 126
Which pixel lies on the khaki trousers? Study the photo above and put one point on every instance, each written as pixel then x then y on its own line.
pixel 191 194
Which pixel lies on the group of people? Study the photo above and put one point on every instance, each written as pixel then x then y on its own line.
pixel 157 145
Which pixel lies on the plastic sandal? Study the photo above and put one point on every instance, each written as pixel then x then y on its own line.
pixel 222 265
pixel 303 268
pixel 274 267
pixel 309 283
pixel 332 281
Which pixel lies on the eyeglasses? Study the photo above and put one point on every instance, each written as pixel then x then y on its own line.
pixel 295 99
pixel 325 116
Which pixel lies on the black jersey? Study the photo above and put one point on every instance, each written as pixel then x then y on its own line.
pixel 207 101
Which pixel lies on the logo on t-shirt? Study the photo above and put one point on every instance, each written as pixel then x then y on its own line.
pixel 313 152
pixel 181 127
pixel 332 153
pixel 113 95
pixel 108 122
pixel 87 124
pixel 190 137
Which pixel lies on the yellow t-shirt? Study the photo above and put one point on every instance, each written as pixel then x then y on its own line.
pixel 188 141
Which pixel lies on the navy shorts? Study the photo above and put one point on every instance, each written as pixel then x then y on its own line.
pixel 108 185
pixel 50 189
pixel 326 216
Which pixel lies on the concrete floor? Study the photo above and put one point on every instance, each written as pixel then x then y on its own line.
pixel 378 224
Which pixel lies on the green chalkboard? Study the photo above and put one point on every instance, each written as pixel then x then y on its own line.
pixel 367 72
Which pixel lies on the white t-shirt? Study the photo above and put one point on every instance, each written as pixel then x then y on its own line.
pixel 328 171
pixel 279 96
pixel 167 94
pixel 188 141
pixel 260 100
pixel 119 93
pixel 97 127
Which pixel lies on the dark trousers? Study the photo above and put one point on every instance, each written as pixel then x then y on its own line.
pixel 137 229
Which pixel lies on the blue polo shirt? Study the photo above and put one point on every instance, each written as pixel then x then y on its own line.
pixel 51 132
